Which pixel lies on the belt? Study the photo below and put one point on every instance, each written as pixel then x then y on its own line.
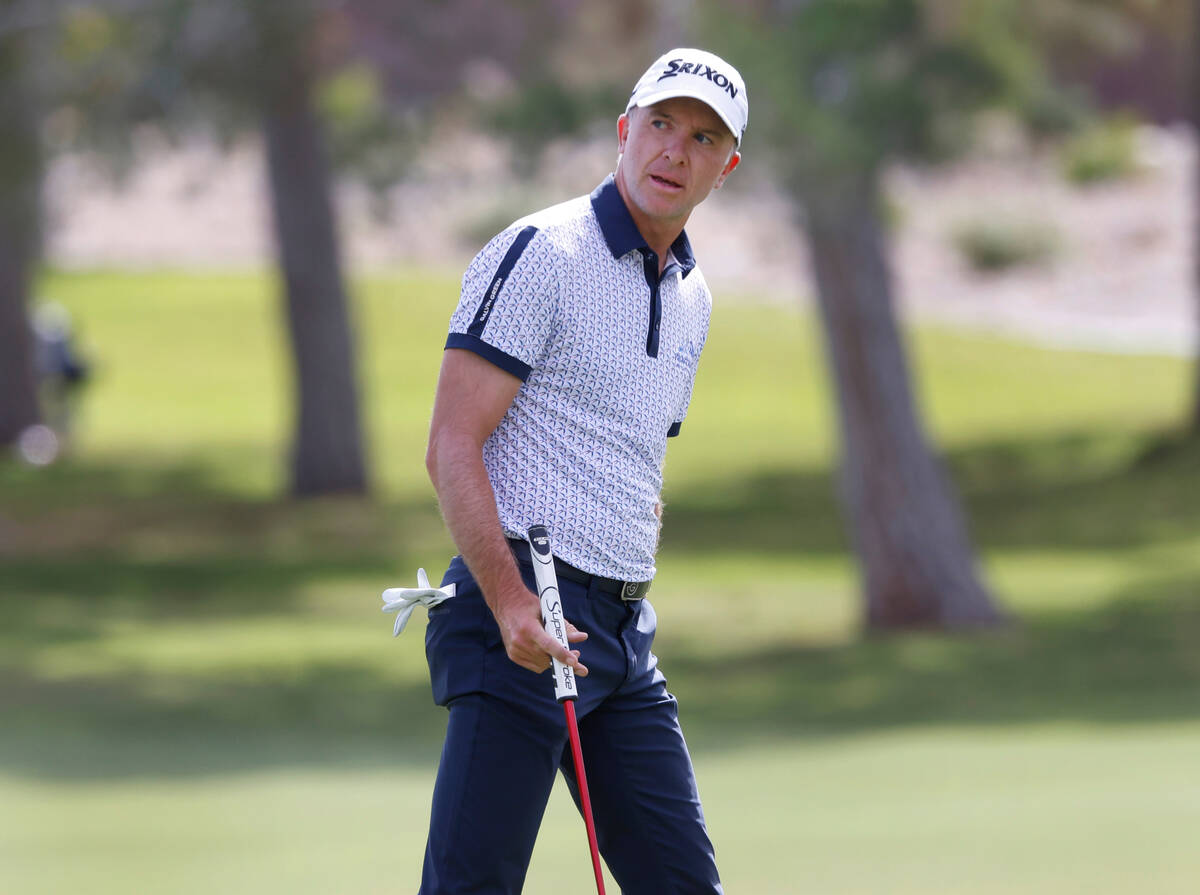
pixel 626 590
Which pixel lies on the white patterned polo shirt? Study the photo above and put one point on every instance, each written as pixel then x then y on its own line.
pixel 569 300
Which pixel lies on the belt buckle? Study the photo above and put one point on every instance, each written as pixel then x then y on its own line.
pixel 632 590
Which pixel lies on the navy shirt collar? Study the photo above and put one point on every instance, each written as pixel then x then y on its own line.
pixel 622 234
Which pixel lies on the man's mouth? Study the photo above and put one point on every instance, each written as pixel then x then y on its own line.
pixel 666 182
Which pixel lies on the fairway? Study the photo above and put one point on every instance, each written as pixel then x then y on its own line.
pixel 959 811
pixel 200 693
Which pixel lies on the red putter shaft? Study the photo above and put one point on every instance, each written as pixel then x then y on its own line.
pixel 584 799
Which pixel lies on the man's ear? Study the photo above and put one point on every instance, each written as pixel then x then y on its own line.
pixel 622 131
pixel 734 161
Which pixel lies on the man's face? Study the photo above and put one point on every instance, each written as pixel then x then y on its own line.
pixel 673 154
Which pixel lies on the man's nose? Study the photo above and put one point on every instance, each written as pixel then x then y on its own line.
pixel 674 151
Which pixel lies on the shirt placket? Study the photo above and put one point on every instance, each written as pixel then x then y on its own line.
pixel 650 268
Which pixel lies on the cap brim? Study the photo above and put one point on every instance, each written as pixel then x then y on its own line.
pixel 674 93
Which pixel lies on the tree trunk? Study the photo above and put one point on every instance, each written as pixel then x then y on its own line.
pixel 327 449
pixel 20 195
pixel 1194 421
pixel 904 518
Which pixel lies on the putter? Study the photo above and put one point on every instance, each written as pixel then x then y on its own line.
pixel 565 690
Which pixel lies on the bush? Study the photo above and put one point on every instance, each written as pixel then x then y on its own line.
pixel 997 243
pixel 1106 151
pixel 1056 111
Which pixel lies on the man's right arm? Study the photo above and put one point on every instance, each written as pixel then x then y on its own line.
pixel 473 395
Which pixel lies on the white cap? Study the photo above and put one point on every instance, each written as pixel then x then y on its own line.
pixel 700 75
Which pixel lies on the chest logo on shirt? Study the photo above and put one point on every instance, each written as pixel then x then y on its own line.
pixel 688 355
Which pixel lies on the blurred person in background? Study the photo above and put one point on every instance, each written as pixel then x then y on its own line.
pixel 60 373
pixel 570 361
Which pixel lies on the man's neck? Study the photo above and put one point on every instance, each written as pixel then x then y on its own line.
pixel 659 243
pixel 659 236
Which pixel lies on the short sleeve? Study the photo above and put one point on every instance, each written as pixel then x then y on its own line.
pixel 507 303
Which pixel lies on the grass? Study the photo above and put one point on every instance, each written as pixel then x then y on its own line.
pixel 198 690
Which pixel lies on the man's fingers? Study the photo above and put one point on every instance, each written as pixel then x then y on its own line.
pixel 580 669
pixel 556 650
pixel 574 635
pixel 543 663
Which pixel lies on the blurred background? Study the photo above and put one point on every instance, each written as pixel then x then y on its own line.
pixel 929 584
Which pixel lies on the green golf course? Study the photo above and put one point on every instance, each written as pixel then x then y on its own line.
pixel 199 693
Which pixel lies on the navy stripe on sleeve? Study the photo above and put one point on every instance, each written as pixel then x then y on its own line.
pixel 674 430
pixel 502 272
pixel 505 362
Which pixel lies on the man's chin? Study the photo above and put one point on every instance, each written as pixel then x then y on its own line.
pixel 662 207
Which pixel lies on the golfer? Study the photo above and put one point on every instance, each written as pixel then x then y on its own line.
pixel 569 363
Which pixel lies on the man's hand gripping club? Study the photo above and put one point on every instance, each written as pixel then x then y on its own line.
pixel 518 614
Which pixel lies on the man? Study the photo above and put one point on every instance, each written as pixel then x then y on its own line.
pixel 570 360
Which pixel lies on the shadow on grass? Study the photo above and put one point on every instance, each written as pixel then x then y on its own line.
pixel 332 715
pixel 167 541
pixel 1085 491
pixel 203 553
pixel 1133 660
pixel 84 547
pixel 69 483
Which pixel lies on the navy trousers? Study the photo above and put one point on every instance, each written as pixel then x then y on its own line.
pixel 506 739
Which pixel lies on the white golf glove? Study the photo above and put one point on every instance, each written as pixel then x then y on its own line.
pixel 403 600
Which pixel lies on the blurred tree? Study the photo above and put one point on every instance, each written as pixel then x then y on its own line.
pixel 422 52
pixel 256 63
pixel 20 180
pixel 518 68
pixel 20 171
pixel 842 87
pixel 328 452
pixel 228 65
pixel 332 85
pixel 1194 77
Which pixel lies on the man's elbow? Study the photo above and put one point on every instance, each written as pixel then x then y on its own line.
pixel 442 453
pixel 431 460
pixel 451 453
